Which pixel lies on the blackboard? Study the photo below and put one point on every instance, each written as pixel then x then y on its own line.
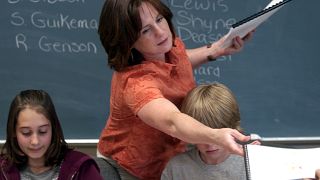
pixel 54 45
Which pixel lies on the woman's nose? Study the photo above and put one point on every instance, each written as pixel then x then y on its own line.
pixel 158 30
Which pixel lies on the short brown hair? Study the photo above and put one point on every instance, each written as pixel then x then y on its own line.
pixel 119 29
pixel 214 105
pixel 41 102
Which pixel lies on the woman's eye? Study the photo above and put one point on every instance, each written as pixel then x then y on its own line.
pixel 144 31
pixel 160 19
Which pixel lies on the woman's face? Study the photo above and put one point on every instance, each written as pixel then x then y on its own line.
pixel 155 37
pixel 34 134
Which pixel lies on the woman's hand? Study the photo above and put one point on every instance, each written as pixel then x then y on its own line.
pixel 228 138
pixel 211 52
pixel 236 46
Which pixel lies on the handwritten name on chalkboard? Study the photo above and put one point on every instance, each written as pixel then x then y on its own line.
pixel 201 22
pixel 36 18
pixel 199 28
pixel 46 1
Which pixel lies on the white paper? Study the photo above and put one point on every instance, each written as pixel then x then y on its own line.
pixel 273 2
pixel 249 26
pixel 282 163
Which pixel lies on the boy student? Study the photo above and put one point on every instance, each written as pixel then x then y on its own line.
pixel 215 106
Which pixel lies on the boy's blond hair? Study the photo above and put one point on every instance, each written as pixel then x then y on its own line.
pixel 214 105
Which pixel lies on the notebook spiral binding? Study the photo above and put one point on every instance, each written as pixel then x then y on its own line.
pixel 259 13
pixel 246 162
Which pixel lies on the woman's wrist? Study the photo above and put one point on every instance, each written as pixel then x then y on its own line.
pixel 210 57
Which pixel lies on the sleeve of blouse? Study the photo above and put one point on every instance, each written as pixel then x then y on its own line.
pixel 140 91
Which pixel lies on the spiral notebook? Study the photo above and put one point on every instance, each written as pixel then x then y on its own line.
pixel 243 27
pixel 267 162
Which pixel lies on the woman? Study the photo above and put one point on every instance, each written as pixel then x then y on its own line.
pixel 35 147
pixel 153 73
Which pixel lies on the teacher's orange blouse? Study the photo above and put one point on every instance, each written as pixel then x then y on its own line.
pixel 137 147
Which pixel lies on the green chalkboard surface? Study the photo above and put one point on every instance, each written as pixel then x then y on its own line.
pixel 54 45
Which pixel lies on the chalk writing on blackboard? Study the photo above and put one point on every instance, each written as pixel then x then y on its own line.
pixel 197 28
pixel 32 27
pixel 47 1
pixel 200 22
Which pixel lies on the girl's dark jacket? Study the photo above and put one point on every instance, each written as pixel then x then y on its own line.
pixel 75 166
